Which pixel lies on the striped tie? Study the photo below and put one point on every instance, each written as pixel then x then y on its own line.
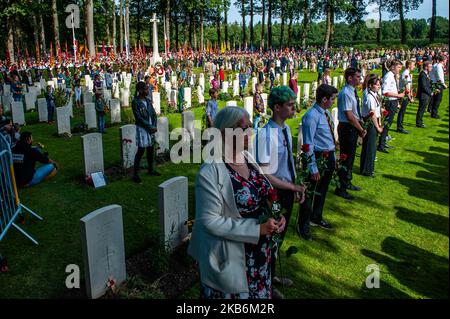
pixel 331 127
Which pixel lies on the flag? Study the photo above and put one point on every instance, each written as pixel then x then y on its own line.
pixel 103 50
pixel 37 53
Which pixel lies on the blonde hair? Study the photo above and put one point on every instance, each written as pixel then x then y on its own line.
pixel 229 117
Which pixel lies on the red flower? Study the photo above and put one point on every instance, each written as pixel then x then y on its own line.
pixel 406 76
pixel 273 196
pixel 305 148
pixel 371 114
pixel 386 94
pixel 343 157
pixel 385 113
pixel 326 154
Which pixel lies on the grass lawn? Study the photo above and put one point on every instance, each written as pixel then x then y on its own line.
pixel 399 220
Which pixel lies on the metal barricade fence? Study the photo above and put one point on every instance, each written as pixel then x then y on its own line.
pixel 9 198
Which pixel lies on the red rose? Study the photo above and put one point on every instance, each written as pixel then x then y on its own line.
pixel 273 196
pixel 386 94
pixel 385 113
pixel 371 114
pixel 305 148
pixel 343 157
pixel 326 154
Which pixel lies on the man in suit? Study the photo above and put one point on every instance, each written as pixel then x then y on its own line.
pixel 423 92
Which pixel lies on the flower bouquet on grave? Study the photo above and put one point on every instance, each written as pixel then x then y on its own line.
pixel 60 97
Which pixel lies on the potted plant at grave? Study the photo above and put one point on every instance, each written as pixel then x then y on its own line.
pixel 61 98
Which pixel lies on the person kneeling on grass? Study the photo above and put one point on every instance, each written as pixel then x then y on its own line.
pixel 25 157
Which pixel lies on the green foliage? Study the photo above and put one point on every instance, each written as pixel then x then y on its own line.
pixel 61 97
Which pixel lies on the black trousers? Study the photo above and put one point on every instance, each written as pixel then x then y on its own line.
pixel 435 103
pixel 138 156
pixel 348 141
pixel 369 151
pixel 391 107
pixel 312 208
pixel 424 101
pixel 401 113
pixel 286 200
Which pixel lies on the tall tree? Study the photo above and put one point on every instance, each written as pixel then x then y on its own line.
pixel 202 21
pixel 167 21
pixel 244 33
pixel 269 24
pixel 433 21
pixel 252 35
pixel 138 17
pixel 263 19
pixel 283 21
pixel 127 23
pixel 226 6
pixel 114 26
pixel 55 24
pixel 43 47
pixel 121 25
pixel 107 13
pixel 305 22
pixel 400 8
pixel 379 22
pixel 89 7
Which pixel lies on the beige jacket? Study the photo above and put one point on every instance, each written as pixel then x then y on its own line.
pixel 220 232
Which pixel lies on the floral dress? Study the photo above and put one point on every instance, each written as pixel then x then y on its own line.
pixel 249 195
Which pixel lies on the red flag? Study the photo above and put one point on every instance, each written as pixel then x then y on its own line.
pixel 103 50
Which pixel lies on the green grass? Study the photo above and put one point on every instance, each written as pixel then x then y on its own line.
pixel 399 220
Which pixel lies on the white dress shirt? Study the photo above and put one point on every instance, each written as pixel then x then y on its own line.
pixel 437 73
pixel 389 85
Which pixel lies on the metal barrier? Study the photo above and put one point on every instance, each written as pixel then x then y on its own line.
pixel 9 198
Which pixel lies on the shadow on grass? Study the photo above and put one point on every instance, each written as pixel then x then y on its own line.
pixel 438 149
pixel 441 139
pixel 432 158
pixel 442 132
pixel 424 272
pixel 433 222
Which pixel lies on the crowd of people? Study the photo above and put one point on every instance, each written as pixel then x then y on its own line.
pixel 234 248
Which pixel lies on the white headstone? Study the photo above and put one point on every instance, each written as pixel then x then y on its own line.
pixel 87 97
pixel 63 119
pixel 187 120
pixel 55 82
pixel 173 96
pixel 265 99
pixel 116 91
pixel 6 89
pixel 341 80
pixel 173 211
pixel 92 153
pixel 157 102
pixel 298 94
pixel 128 144
pixel 201 80
pixel 42 109
pixel 125 97
pixel 90 115
pixel 314 87
pixel 187 97
pixel 254 82
pixel 225 87
pixel 334 114
pixel 103 249
pixel 38 87
pixel 335 82
pixel 162 135
pixel 235 87
pixel 70 106
pixel 7 100
pixel 284 78
pixel 231 103
pixel 30 101
pixel 299 139
pixel 107 95
pixel 306 91
pixel 200 96
pixel 114 108
pixel 248 106
pixel 18 116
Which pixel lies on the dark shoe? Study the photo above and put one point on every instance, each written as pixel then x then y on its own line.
pixel 306 235
pixel 403 131
pixel 389 146
pixel 154 173
pixel 344 194
pixel 435 117
pixel 286 282
pixel 137 179
pixel 420 126
pixel 323 224
pixel 383 150
pixel 354 188
pixel 372 175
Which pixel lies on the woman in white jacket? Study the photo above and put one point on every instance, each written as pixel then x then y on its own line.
pixel 230 244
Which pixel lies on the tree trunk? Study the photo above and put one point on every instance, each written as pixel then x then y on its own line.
pixel 114 26
pixel 138 27
pixel 252 34
pixel 433 21
pixel 291 19
pixel 402 22
pixel 55 24
pixel 127 23
pixel 35 32
pixel 263 3
pixel 190 29
pixel 244 37
pixel 167 22
pixel 269 25
pixel 305 22
pixel 379 22
pixel 328 28
pixel 107 13
pixel 283 3
pixel 225 21
pixel 194 34
pixel 201 30
pixel 90 27
pixel 219 38
pixel 331 25
pixel 176 31
pixel 121 24
pixel 10 41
